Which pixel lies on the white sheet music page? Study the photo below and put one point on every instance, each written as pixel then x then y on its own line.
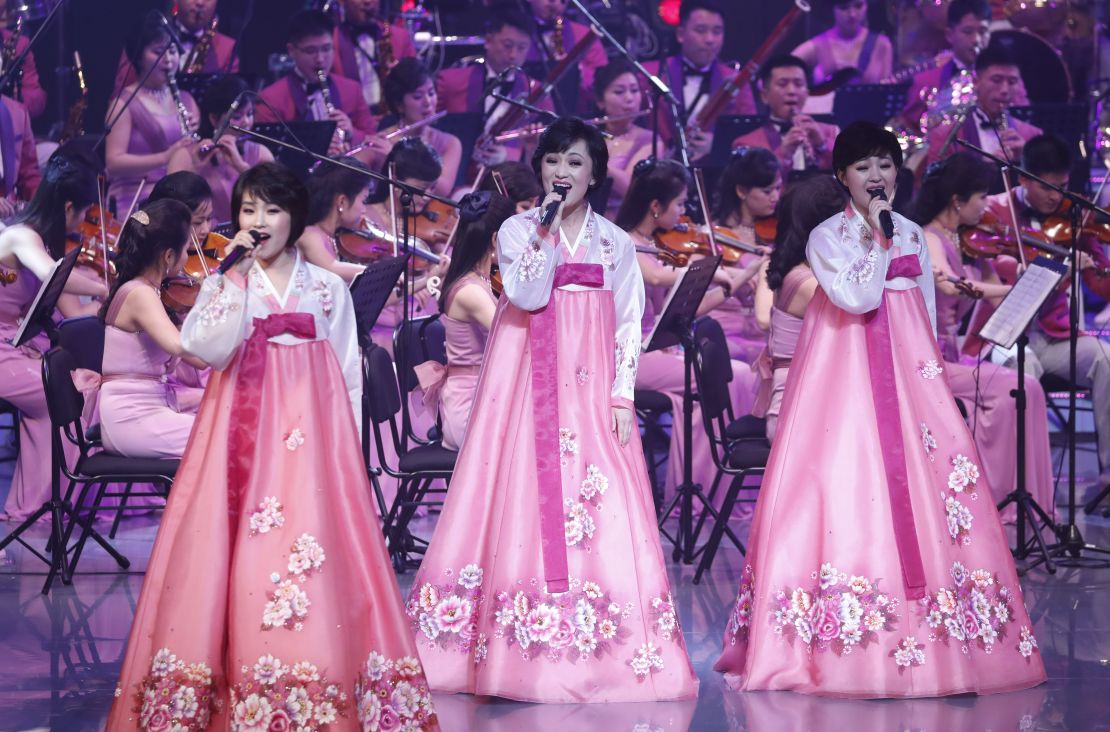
pixel 1023 302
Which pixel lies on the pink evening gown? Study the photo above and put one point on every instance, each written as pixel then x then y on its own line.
pixel 877 565
pixel 286 613
pixel 773 365
pixel 545 579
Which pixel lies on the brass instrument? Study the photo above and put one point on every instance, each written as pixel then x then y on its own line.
pixel 194 62
pixel 386 60
pixel 329 105
pixel 907 73
pixel 8 55
pixel 75 122
pixel 182 110
pixel 557 38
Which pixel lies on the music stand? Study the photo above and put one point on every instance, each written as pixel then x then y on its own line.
pixel 676 327
pixel 198 84
pixel 1006 327
pixel 314 135
pixel 466 126
pixel 40 315
pixel 728 128
pixel 868 101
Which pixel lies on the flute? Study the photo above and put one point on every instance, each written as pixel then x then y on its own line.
pixel 535 129
pixel 404 131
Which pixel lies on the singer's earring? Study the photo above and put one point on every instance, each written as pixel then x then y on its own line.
pixel 340 209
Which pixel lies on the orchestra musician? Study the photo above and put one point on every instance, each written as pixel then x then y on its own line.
pixel 336 198
pixel 367 46
pixel 194 23
pixel 619 97
pixel 521 183
pixel 799 141
pixel 553 36
pixel 300 94
pixel 849 43
pixel 19 163
pixel 29 89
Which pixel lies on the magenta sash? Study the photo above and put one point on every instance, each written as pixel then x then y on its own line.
pixel 543 336
pixel 884 392
pixel 243 421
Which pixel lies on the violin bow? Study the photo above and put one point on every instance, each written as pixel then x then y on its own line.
pixel 100 183
pixel 393 208
pixel 1012 201
pixel 699 185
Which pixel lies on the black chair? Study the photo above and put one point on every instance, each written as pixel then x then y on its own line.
pixel 414 342
pixel 92 470
pixel 418 466
pixel 8 408
pixel 83 337
pixel 651 408
pixel 1057 390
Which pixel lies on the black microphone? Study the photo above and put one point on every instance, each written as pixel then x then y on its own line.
pixel 238 253
pixel 885 219
pixel 549 213
pixel 224 123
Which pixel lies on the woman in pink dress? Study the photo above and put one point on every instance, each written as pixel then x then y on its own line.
pixel 877 566
pixel 619 97
pixel 545 579
pixel 148 131
pixel 953 195
pixel 468 306
pixel 849 43
pixel 269 601
pixel 787 286
pixel 337 199
pixel 655 202
pixel 28 249
pixel 222 161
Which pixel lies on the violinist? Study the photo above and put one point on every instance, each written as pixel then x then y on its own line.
pixel 194 191
pixel 1049 157
pixel 221 162
pixel 28 249
pixel 745 204
pixel 336 199
pixel 619 99
pixel 153 126
pixel 521 184
pixel 656 200
pixel 367 46
pixel 17 155
pixel 953 195
pixel 800 142
pixel 468 306
pixel 849 43
pixel 553 36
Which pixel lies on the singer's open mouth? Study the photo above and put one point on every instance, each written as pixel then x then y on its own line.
pixel 263 237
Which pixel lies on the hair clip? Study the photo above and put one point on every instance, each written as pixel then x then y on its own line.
pixel 739 152
pixel 474 206
pixel 142 217
pixel 644 166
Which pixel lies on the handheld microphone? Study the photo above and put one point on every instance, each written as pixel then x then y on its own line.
pixel 885 220
pixel 224 122
pixel 238 253
pixel 549 213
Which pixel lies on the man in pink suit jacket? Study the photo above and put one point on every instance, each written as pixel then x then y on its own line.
pixel 298 96
pixel 798 141
pixel 696 74
pixel 18 160
pixel 190 23
pixel 31 92
pixel 547 50
pixel 358 42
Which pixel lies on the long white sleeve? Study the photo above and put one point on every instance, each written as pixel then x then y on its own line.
pixel 628 301
pixel 851 274
pixel 343 336
pixel 217 324
pixel 527 262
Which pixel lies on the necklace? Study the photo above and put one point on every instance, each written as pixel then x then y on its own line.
pixel 952 236
pixel 160 94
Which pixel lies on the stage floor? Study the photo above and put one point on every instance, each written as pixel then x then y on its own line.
pixel 60 656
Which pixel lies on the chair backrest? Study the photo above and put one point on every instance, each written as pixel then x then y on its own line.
pixel 711 364
pixel 64 403
pixel 414 342
pixel 708 328
pixel 381 384
pixel 83 337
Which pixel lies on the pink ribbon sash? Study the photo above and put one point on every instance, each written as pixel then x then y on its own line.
pixel 543 336
pixel 432 377
pixel 245 412
pixel 907 265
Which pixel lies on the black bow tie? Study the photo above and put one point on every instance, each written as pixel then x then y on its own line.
pixel 689 71
pixel 364 29
pixel 783 125
pixel 311 87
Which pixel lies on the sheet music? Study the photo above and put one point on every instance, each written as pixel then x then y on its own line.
pixel 1023 302
pixel 681 272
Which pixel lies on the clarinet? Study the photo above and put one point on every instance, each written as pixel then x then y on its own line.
pixel 325 94
pixel 182 111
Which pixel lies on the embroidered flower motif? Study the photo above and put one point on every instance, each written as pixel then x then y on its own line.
pixel 607 252
pixel 175 695
pixel 287 605
pixel 628 361
pixel 862 270
pixel 306 557
pixel 908 653
pixel 578 524
pixel 837 614
pixel 294 439
pixel 581 375
pixel 274 696
pixel 267 517
pixel 568 444
pixel 447 614
pixel 930 369
pixel 964 474
pixel 532 264
pixel 322 292
pixel 928 441
pixel 666 619
pixel 1027 644
pixel 740 619
pixel 594 485
pixel 216 310
pixel 646 661
pixel 957 517
pixel 974 612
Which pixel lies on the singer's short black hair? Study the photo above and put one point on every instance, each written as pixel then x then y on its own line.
pixel 861 140
pixel 689 6
pixel 185 186
pixel 150 29
pixel 1046 154
pixel 309 24
pixel 960 9
pixel 276 184
pixel 563 133
pixel 994 54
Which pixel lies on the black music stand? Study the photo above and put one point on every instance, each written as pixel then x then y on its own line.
pixel 198 84
pixel 1006 327
pixel 868 101
pixel 466 126
pixel 39 319
pixel 729 127
pixel 676 327
pixel 315 136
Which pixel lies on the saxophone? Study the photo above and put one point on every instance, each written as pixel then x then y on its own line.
pixel 7 57
pixel 560 50
pixel 329 105
pixel 385 50
pixel 194 62
pixel 182 111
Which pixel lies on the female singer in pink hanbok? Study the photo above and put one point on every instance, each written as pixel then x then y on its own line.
pixel 877 566
pixel 269 601
pixel 545 579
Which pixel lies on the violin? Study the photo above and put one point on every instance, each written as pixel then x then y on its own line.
pixel 179 292
pixel 369 244
pixel 495 283
pixel 767 229
pixel 687 239
pixel 1058 228
pixel 90 237
pixel 994 236
pixel 436 222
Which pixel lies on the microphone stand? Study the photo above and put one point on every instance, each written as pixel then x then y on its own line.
pixel 542 113
pixel 1070 547
pixel 661 90
pixel 17 62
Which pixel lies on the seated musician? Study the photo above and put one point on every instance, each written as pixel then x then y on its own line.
pixel 409 92
pixel 221 162
pixel 337 198
pixel 202 50
pixel 989 125
pixel 468 88
pixel 367 46
pixel 300 95
pixel 521 184
pixel 18 158
pixel 799 141
pixel 967 33
pixel 619 97
pixel 849 43
pixel 28 88
pixel 1049 157
pixel 553 37
pixel 697 73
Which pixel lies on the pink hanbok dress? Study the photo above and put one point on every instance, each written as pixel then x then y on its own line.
pixel 877 565
pixel 986 387
pixel 773 365
pixel 269 601
pixel 449 390
pixel 545 579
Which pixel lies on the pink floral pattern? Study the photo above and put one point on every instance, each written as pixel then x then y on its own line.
pixel 961 481
pixel 322 292
pixel 287 604
pixel 740 619
pixel 294 439
pixel 267 517
pixel 607 253
pixel 216 310
pixel 392 695
pixel 646 661
pixel 447 613
pixel 908 653
pixel 928 442
pixel 1026 643
pixel 930 369
pixel 862 270
pixel 579 524
pixel 973 611
pixel 176 695
pixel 532 264
pixel 665 618
pixel 840 613
pixel 275 696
